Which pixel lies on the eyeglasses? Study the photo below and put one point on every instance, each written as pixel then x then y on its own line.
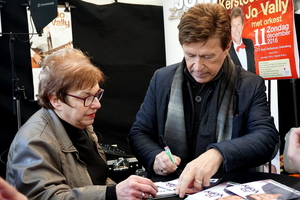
pixel 89 100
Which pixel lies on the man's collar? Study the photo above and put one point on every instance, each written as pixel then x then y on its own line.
pixel 235 44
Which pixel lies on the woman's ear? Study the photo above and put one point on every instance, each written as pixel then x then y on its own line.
pixel 55 102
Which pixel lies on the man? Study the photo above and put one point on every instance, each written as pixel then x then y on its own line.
pixel 212 114
pixel 291 151
pixel 242 49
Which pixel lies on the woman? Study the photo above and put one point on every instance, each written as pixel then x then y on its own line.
pixel 55 155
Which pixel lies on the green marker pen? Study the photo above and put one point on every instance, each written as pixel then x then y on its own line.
pixel 167 149
pixel 168 152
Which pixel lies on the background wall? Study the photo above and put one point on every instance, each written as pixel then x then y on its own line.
pixel 125 40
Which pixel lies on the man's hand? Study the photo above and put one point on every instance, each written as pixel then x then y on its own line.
pixel 163 165
pixel 37 58
pixel 198 172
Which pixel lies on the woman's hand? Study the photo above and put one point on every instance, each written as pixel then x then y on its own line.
pixel 136 187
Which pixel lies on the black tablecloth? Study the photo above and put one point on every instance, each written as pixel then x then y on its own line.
pixel 244 177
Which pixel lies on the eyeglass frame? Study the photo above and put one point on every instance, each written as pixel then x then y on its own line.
pixel 98 95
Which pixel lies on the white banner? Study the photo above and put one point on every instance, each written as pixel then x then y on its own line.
pixel 173 10
pixel 56 35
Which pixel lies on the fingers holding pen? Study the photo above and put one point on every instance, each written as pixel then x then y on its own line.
pixel 165 162
pixel 177 160
pixel 163 165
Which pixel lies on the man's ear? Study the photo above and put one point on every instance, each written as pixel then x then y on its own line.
pixel 228 47
pixel 55 102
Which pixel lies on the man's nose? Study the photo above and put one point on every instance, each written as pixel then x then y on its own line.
pixel 199 63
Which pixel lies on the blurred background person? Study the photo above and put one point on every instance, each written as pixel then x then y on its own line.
pixel 291 153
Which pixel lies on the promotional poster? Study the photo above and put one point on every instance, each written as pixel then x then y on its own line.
pixel 270 26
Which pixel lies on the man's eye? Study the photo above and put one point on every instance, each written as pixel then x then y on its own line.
pixel 207 57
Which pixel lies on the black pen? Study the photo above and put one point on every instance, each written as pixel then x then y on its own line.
pixel 168 152
pixel 154 188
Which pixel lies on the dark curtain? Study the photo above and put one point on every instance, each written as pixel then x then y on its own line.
pixel 125 41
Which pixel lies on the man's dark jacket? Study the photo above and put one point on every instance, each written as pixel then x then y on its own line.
pixel 254 136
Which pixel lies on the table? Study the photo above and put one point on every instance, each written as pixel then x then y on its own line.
pixel 290 181
pixel 244 177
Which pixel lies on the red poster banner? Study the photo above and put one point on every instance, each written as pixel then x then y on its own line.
pixel 270 26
